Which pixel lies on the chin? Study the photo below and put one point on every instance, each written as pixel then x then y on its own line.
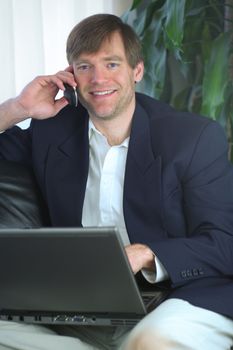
pixel 104 114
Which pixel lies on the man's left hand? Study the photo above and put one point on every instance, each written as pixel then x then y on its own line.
pixel 140 256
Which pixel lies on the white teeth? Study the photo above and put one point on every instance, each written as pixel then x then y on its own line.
pixel 102 92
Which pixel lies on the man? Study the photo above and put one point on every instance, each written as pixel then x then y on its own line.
pixel 161 176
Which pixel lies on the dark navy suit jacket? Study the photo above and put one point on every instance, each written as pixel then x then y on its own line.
pixel 178 190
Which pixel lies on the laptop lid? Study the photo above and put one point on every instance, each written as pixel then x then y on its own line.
pixel 76 275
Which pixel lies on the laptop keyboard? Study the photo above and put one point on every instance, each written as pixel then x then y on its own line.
pixel 147 299
pixel 152 299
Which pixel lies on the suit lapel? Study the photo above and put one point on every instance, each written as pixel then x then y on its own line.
pixel 66 177
pixel 142 189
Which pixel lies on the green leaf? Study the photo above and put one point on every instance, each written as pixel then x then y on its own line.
pixel 135 4
pixel 188 99
pixel 155 63
pixel 139 23
pixel 216 75
pixel 153 12
pixel 174 25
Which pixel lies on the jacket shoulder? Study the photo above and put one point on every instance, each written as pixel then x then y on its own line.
pixel 66 122
pixel 152 106
pixel 162 115
pixel 176 134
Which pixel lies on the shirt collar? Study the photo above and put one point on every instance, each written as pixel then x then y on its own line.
pixel 93 131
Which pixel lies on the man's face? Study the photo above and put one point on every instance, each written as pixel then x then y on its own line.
pixel 106 82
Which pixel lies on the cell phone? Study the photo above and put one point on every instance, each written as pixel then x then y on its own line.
pixel 71 95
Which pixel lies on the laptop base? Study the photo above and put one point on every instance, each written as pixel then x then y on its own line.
pixel 71 319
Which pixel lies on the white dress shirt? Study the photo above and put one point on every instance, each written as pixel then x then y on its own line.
pixel 103 202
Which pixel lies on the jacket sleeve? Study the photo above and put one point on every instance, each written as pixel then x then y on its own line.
pixel 207 192
pixel 15 145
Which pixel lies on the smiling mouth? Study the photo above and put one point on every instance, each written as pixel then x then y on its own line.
pixel 102 93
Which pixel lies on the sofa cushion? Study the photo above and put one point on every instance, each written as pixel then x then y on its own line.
pixel 21 204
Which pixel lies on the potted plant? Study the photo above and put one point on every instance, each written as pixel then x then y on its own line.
pixel 187 46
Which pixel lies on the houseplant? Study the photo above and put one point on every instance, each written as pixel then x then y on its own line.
pixel 187 46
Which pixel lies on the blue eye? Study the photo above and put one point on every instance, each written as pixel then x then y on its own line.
pixel 83 67
pixel 113 65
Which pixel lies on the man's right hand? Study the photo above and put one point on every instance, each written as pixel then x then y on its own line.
pixel 37 100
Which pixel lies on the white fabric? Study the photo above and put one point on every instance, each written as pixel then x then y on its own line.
pixel 178 325
pixel 103 202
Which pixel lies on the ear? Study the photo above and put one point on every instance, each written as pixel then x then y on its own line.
pixel 138 72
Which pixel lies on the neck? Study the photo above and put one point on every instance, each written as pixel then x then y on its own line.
pixel 115 133
pixel 116 130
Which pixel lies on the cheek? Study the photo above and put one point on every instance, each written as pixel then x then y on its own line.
pixel 81 79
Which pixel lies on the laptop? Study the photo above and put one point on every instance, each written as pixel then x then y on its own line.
pixel 76 276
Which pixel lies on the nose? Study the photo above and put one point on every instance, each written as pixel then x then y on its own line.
pixel 99 75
